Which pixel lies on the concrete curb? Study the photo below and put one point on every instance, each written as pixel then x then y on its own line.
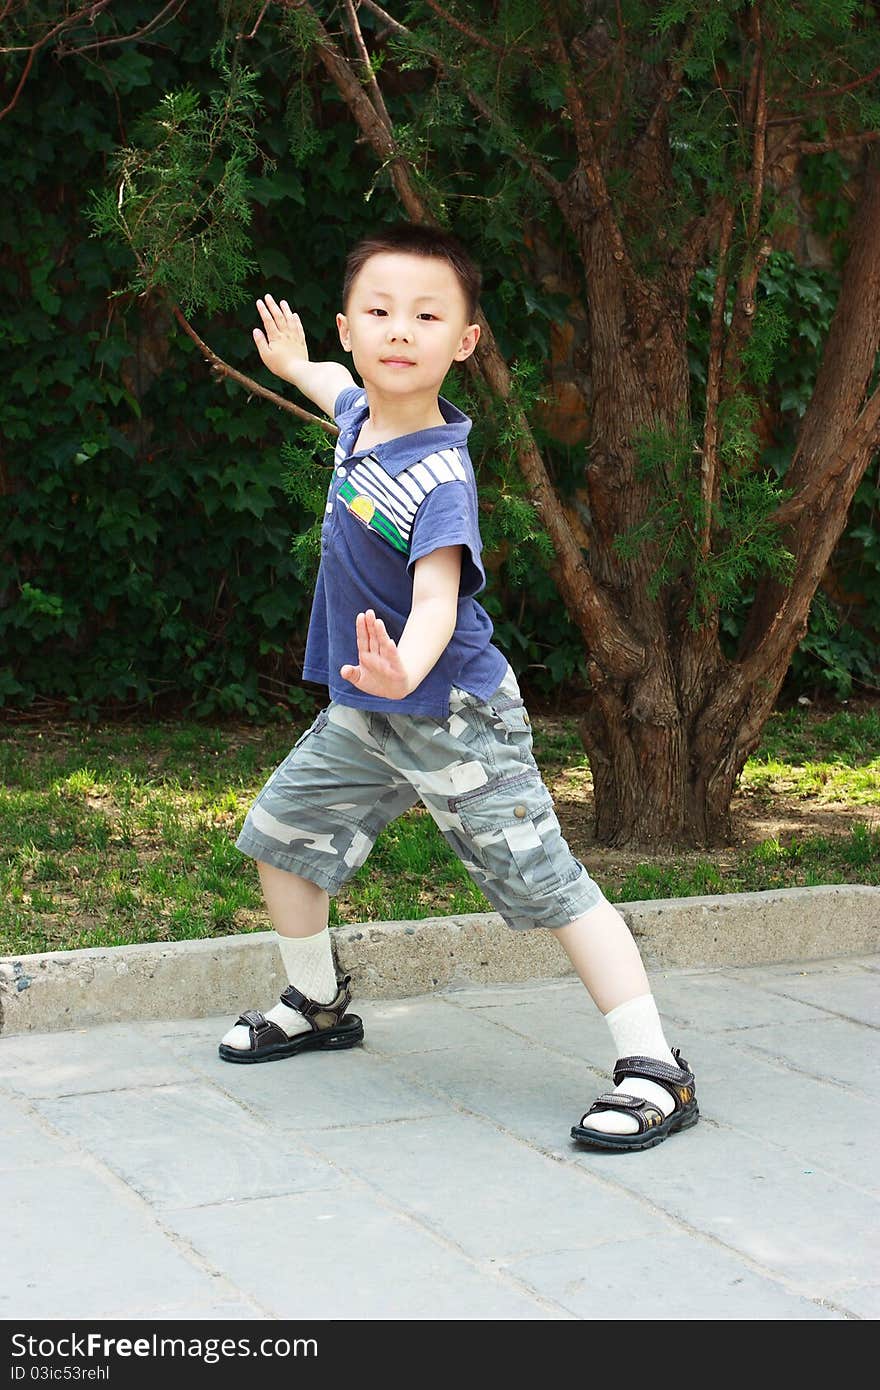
pixel 59 990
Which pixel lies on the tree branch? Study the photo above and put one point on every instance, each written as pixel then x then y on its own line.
pixel 744 303
pixel 465 28
pixel 378 99
pixel 864 434
pixel 222 369
pixel 590 165
pixel 838 436
pixel 543 176
pixel 866 137
pixel 708 481
pixel 89 12
pixel 157 22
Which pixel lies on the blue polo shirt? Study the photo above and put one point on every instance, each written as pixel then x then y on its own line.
pixel 387 507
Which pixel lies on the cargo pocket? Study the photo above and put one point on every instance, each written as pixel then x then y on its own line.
pixel 509 823
pixel 509 724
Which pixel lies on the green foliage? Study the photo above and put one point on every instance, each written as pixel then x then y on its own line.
pixel 745 542
pixel 145 534
pixel 180 196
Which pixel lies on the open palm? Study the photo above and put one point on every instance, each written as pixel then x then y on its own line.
pixel 380 670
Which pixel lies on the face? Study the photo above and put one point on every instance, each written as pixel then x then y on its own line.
pixel 406 322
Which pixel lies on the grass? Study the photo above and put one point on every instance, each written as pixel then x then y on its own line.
pixel 113 835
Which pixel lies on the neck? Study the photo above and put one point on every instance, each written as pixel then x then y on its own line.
pixel 394 415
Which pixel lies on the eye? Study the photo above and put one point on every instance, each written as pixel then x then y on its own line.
pixel 426 315
pixel 375 311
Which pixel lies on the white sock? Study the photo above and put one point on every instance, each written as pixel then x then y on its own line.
pixel 637 1032
pixel 308 965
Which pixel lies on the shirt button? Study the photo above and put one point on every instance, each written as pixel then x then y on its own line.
pixel 519 812
pixel 329 507
pixel 341 471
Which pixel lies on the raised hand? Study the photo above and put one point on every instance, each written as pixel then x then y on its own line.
pixel 283 343
pixel 380 670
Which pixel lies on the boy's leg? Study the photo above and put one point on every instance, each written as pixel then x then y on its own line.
pixel 601 948
pixel 309 830
pixel 477 776
pixel 298 910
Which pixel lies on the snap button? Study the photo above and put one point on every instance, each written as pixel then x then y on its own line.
pixel 341 471
pixel 519 811
pixel 329 507
pixel 526 719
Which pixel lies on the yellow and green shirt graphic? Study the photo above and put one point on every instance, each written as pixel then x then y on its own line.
pixel 371 514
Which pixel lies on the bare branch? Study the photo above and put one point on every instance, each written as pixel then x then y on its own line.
pixel 621 70
pixel 258 21
pixel 539 172
pixel 668 90
pixel 89 12
pixel 744 304
pixel 392 23
pixel 157 22
pixel 479 39
pixel 223 369
pixel 378 99
pixel 843 142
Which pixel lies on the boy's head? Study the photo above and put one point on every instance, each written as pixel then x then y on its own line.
pixel 409 296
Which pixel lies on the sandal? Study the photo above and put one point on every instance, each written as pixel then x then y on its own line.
pixel 331 1026
pixel 654 1126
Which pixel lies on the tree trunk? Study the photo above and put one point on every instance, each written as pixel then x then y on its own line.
pixel 667 745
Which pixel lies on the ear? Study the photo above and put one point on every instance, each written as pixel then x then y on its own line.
pixel 342 326
pixel 469 340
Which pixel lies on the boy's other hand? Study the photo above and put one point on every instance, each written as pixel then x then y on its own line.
pixel 380 670
pixel 283 344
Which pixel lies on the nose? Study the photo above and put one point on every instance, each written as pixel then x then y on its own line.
pixel 397 331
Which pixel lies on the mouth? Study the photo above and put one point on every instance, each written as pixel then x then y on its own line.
pixel 397 362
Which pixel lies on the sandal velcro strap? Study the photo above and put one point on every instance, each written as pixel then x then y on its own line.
pixel 317 1014
pixel 618 1100
pixel 261 1027
pixel 644 1112
pixel 652 1070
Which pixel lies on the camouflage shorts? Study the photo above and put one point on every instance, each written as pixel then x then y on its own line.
pixel 353 771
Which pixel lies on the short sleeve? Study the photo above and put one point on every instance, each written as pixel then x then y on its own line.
pixel 348 398
pixel 448 516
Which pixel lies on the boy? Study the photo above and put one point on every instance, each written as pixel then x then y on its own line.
pixel 423 706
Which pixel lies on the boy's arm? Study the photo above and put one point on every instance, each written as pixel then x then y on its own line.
pixel 282 346
pixel 394 669
pixel 433 615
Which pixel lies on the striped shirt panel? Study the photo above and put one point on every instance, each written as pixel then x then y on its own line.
pixel 398 499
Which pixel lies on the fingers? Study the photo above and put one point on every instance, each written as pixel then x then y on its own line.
pixel 279 318
pixel 372 635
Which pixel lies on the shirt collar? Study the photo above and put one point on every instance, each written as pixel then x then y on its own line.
pixel 396 454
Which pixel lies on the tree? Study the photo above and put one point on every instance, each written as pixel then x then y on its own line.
pixel 632 149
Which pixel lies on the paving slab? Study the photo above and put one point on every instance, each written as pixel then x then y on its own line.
pixel 624 1274
pixel 808 1048
pixel 76 1245
pixel 365 1259
pixel 316 1090
pixel 851 995
pixel 181 1146
pixel 430 1173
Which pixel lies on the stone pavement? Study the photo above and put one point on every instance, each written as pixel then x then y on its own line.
pixel 430 1173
